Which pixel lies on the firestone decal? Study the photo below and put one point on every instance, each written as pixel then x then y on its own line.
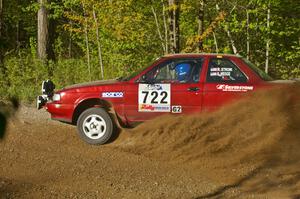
pixel 112 94
pixel 225 87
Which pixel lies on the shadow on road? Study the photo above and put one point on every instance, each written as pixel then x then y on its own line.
pixel 6 111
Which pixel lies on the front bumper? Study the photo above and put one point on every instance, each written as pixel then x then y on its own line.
pixel 47 94
pixel 60 112
pixel 41 101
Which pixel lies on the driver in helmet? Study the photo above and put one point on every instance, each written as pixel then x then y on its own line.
pixel 182 71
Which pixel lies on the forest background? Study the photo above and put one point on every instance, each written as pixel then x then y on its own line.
pixel 71 41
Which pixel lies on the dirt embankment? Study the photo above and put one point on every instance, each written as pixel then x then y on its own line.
pixel 250 149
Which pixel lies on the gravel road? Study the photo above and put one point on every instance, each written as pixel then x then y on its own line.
pixel 41 158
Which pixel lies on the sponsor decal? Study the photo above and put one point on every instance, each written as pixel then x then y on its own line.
pixel 146 107
pixel 162 108
pixel 112 94
pixel 153 87
pixel 154 98
pixel 156 108
pixel 225 87
pixel 176 109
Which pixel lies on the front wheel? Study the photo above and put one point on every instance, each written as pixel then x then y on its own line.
pixel 95 126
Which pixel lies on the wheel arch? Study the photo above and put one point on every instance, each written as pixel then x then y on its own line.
pixel 90 103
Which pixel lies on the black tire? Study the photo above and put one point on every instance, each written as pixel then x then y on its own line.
pixel 95 126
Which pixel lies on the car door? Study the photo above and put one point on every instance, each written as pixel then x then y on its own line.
pixel 173 86
pixel 225 82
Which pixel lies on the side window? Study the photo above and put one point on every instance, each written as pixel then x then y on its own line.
pixel 224 71
pixel 176 71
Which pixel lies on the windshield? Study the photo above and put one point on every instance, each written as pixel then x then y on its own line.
pixel 258 71
pixel 132 75
pixel 135 73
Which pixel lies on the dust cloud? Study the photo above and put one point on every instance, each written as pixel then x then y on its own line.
pixel 259 133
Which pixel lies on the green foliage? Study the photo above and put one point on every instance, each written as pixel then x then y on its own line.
pixel 26 73
pixel 33 46
pixel 23 76
pixel 129 38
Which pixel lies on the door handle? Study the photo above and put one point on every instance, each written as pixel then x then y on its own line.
pixel 193 89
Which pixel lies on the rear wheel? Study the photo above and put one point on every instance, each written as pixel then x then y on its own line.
pixel 95 126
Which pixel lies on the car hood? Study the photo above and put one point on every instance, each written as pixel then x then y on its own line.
pixel 94 83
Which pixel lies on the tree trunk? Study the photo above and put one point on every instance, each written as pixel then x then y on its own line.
pixel 268 40
pixel 42 30
pixel 234 49
pixel 87 43
pixel 216 42
pixel 87 47
pixel 201 24
pixel 18 35
pixel 1 39
pixel 174 25
pixel 158 29
pixel 1 17
pixel 51 39
pixel 166 28
pixel 98 43
pixel 248 36
pixel 70 46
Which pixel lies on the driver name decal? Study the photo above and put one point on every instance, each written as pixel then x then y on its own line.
pixel 154 98
pixel 220 72
pixel 225 87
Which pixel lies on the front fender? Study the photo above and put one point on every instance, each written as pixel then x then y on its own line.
pixel 88 100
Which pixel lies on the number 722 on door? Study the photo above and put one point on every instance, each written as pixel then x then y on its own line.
pixel 154 97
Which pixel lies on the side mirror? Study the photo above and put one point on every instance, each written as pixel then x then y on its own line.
pixel 142 79
pixel 145 79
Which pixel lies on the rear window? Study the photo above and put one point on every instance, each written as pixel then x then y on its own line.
pixel 258 71
pixel 221 70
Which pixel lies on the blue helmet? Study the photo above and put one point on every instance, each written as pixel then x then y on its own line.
pixel 182 71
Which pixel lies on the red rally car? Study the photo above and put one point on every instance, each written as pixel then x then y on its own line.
pixel 174 84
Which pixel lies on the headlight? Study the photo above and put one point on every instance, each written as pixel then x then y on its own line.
pixel 56 97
